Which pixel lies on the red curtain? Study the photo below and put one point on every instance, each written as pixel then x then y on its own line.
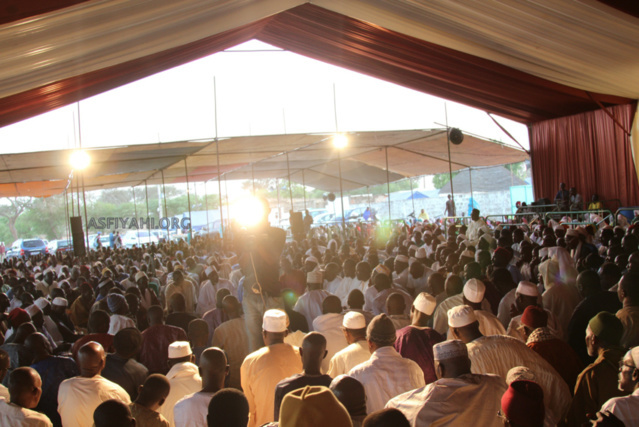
pixel 588 151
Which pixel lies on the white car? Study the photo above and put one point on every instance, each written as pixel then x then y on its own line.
pixel 138 238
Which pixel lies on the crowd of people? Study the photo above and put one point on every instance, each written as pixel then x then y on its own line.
pixel 416 325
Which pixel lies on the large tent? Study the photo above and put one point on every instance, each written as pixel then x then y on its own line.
pixel 554 65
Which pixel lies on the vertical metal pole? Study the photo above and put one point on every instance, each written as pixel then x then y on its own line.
pixel 146 195
pixel 86 217
pixel 388 185
pixel 206 202
pixel 77 188
pixel 217 155
pixel 450 165
pixel 341 190
pixel 304 185
pixel 290 189
pixel 188 199
pixel 135 211
pixel 228 205
pixel 71 188
pixel 412 196
pixel 66 210
pixel 253 177
pixel 166 211
pixel 279 209
pixel 470 177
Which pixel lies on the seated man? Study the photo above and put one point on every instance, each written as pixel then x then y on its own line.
pixel 113 413
pixel 626 408
pixel 228 408
pixel 458 397
pixel 152 395
pixel 25 389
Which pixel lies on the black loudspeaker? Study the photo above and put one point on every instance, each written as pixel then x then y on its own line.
pixel 297 223
pixel 79 248
pixel 456 136
pixel 331 197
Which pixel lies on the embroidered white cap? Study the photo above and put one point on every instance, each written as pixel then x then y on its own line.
pixel 474 290
pixel 425 303
pixel 460 316
pixel 274 321
pixel 528 289
pixel 179 349
pixel 354 320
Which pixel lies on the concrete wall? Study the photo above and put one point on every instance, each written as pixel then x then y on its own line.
pixel 489 203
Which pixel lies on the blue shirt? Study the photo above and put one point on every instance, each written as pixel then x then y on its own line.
pixel 53 370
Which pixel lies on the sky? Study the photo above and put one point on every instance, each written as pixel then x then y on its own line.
pixel 258 90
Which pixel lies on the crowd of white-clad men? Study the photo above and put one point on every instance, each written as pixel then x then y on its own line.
pixel 414 325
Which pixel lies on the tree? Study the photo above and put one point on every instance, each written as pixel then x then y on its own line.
pixel 17 205
pixel 517 169
pixel 442 179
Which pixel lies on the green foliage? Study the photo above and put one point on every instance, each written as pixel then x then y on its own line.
pixel 442 179
pixel 517 169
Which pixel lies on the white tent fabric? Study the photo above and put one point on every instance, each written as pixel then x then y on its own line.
pixel 582 43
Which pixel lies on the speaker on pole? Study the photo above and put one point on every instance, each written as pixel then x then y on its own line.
pixel 79 248
pixel 297 223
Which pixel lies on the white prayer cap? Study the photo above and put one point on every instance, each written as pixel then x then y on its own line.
pixel 314 276
pixel 382 269
pixel 421 253
pixel 37 268
pixel 558 227
pixel 449 350
pixel 139 275
pixel 634 353
pixel 527 288
pixel 460 316
pixel 179 349
pixel 274 321
pixel 428 233
pixel 33 310
pixel 29 264
pixel 208 270
pixel 468 254
pixel 354 320
pixel 572 233
pixel 60 302
pixel 312 259
pixel 425 303
pixel 41 303
pixel 401 258
pixel 474 290
pixel 413 248
pixel 520 373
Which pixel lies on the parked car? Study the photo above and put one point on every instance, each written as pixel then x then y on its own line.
pixel 27 247
pixel 323 218
pixel 138 238
pixel 60 246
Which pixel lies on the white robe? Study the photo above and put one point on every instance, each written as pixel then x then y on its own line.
pixel 207 299
pixel 346 359
pixel 330 325
pixel 119 322
pixel 191 410
pixel 489 324
pixel 469 399
pixel 385 375
pixel 14 415
pixel 379 303
pixel 78 397
pixel 440 320
pixel 310 305
pixel 184 379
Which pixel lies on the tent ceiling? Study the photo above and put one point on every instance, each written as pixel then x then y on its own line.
pixel 526 60
pixel 311 160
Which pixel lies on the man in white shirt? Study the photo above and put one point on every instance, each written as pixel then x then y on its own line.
pixel 473 295
pixel 354 330
pixel 191 411
pixel 332 280
pixel 263 369
pixel 329 324
pixel 458 397
pixel 25 387
pixel 626 408
pixel 208 290
pixel 386 374
pixel 79 396
pixel 184 377
pixel 119 307
pixel 527 294
pixel 310 303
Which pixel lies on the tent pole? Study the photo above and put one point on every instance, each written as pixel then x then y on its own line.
pixel 135 211
pixel 71 187
pixel 66 210
pixel 77 189
pixel 146 196
pixel 470 177
pixel 450 165
pixel 412 198
pixel 188 199
pixel 388 186
pixel 86 217
pixel 279 209
pixel 206 203
pixel 290 189
pixel 253 177
pixel 341 191
pixel 217 155
pixel 166 212
pixel 304 185
pixel 228 205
